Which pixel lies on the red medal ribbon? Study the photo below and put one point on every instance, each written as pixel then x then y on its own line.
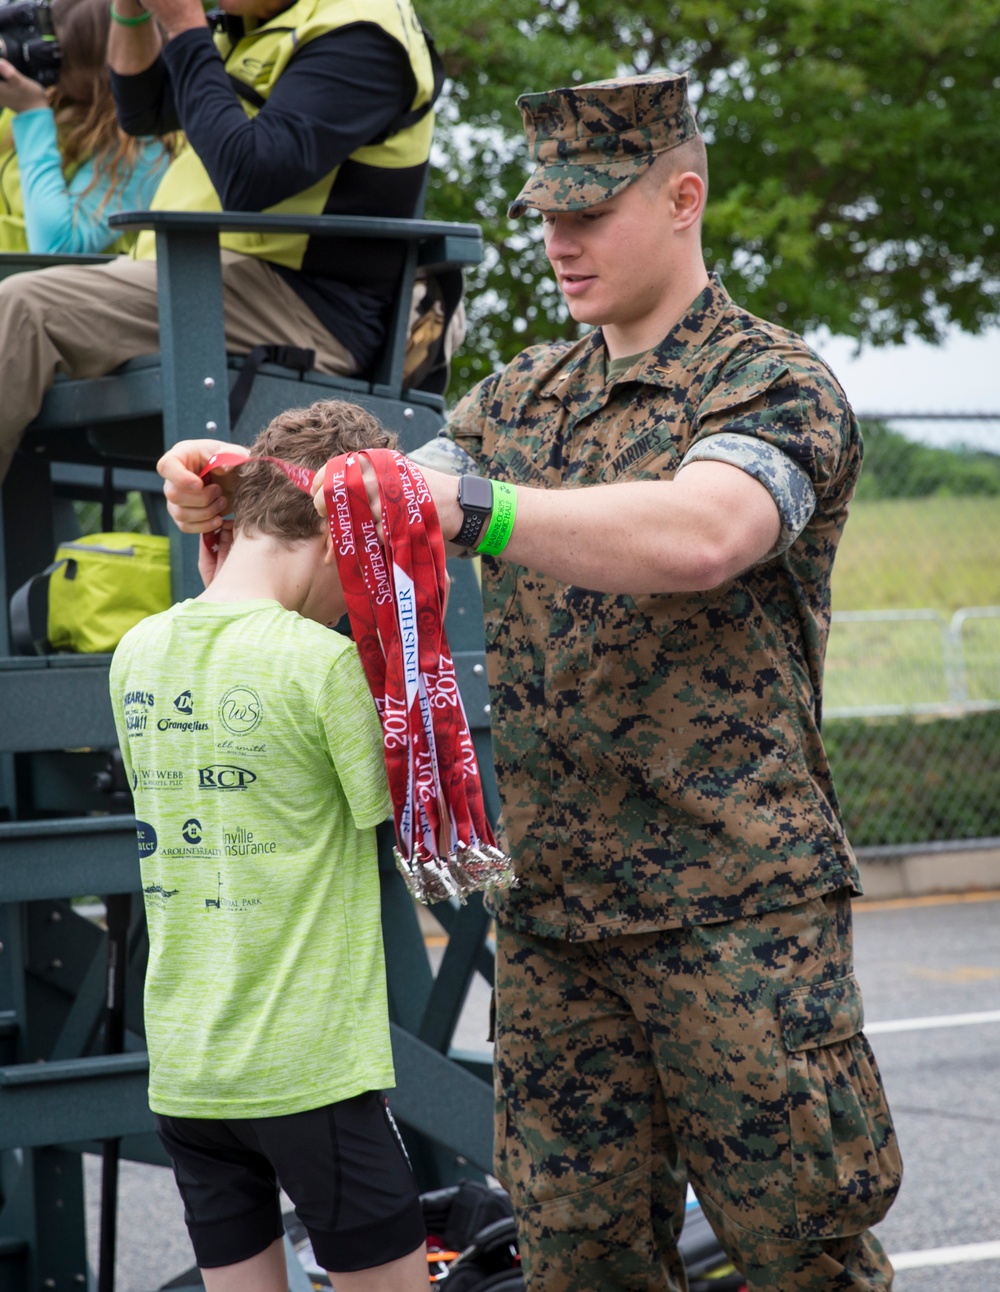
pixel 301 477
pixel 395 593
pixel 445 845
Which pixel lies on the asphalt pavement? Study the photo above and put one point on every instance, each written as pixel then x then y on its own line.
pixel 930 972
pixel 921 962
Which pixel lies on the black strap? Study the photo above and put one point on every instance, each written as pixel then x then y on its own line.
pixel 230 25
pixel 108 500
pixel 288 356
pixel 413 115
pixel 29 613
pixel 252 96
pixel 402 122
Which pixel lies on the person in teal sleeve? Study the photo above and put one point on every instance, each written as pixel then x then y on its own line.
pixel 65 163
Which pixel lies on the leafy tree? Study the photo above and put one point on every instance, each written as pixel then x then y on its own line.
pixel 896 467
pixel 854 148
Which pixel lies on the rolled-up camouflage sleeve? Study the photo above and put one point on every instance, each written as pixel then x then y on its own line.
pixel 458 449
pixel 443 454
pixel 782 477
pixel 781 397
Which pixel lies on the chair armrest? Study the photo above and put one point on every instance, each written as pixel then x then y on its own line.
pixel 441 243
pixel 23 262
pixel 190 295
pixel 189 291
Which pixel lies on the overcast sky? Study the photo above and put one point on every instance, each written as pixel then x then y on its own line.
pixel 961 376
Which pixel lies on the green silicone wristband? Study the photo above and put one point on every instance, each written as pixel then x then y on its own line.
pixel 501 524
pixel 129 22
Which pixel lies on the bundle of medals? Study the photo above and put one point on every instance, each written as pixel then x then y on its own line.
pixel 395 592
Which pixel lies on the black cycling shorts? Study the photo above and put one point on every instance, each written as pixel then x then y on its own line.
pixel 343 1166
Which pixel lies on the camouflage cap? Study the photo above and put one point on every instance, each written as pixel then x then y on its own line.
pixel 590 141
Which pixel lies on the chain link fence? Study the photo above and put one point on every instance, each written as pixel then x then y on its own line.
pixel 912 699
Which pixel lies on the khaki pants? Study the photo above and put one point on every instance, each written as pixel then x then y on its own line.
pixel 86 320
pixel 729 1055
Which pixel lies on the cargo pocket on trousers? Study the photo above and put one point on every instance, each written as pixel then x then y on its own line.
pixel 507 1156
pixel 845 1160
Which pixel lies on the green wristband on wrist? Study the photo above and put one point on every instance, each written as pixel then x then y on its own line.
pixel 129 22
pixel 501 524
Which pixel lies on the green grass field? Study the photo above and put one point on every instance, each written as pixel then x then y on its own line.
pixel 933 777
pixel 915 553
pixel 928 554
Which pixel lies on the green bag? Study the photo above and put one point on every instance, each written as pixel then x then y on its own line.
pixel 96 589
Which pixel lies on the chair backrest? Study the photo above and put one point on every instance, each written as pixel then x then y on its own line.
pixel 129 417
pixel 57 732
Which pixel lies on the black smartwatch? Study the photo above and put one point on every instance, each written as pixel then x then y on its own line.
pixel 475 497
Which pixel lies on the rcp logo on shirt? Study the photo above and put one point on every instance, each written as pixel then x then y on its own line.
pixel 225 776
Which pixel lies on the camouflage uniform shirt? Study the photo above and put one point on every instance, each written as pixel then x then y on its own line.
pixel 659 756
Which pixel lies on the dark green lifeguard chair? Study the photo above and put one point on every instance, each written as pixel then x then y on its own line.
pixel 68 1083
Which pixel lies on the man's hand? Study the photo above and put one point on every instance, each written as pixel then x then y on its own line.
pixel 197 506
pixel 175 16
pixel 213 550
pixel 19 93
pixel 371 487
pixel 375 503
pixel 443 490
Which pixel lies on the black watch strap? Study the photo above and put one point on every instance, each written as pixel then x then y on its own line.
pixel 475 497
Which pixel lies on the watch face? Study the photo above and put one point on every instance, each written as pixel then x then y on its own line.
pixel 475 493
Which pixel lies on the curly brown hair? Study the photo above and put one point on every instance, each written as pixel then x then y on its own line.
pixel 265 500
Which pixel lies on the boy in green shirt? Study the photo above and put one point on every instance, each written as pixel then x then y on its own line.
pixel 255 755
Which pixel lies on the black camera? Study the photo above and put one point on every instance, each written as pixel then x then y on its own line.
pixel 28 41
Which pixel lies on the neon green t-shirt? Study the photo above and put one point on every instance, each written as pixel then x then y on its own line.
pixel 255 755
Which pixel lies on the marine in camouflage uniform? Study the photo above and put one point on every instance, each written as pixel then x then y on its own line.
pixel 675 989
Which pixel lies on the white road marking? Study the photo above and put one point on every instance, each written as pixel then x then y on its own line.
pixel 946 1256
pixel 934 1020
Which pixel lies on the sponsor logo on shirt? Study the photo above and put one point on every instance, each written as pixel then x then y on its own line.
pixel 241 710
pixel 244 843
pixel 172 724
pixel 184 703
pixel 136 706
pixel 153 780
pixel 193 834
pixel 241 748
pixel 225 776
pixel 147 838
pixel 157 895
pixel 235 905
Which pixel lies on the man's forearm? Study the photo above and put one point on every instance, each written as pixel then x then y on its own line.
pixel 133 46
pixel 684 535
pixel 688 534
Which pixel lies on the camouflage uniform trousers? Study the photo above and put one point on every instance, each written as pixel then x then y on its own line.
pixel 728 1054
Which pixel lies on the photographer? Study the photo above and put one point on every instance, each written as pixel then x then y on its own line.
pixel 65 163
pixel 303 108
